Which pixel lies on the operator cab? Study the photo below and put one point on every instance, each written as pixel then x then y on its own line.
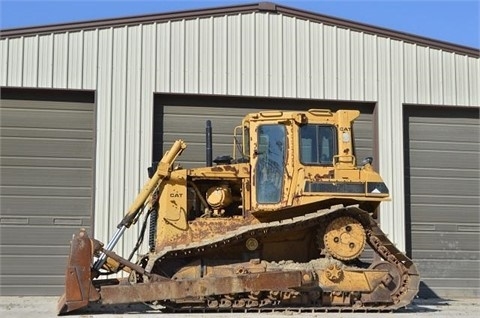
pixel 301 157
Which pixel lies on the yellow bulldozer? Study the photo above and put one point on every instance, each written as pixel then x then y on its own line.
pixel 289 221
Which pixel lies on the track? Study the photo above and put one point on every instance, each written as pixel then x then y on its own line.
pixel 402 291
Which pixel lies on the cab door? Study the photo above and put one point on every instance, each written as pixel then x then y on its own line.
pixel 269 161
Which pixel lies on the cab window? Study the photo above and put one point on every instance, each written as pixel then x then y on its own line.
pixel 317 144
pixel 270 163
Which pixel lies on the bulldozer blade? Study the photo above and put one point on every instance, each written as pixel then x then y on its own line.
pixel 78 276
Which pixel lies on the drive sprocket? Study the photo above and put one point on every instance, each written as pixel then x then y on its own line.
pixel 344 238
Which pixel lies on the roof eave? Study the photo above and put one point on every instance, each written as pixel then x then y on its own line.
pixel 238 9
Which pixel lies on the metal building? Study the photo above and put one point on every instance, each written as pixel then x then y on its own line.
pixel 86 107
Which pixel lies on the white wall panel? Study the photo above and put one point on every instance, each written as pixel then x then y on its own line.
pixel 357 66
pixel 75 60
pixel 274 66
pixel 410 81
pixel 436 77
pixel 371 67
pixel 262 54
pixel 3 61
pixel 206 56
pixel 89 59
pixel 317 64
pixel 397 74
pixel 220 58
pixel 448 68
pixel 342 54
pixel 15 62
pixel 461 80
pixel 177 56
pixel 45 60
pixel 191 55
pixel 60 60
pixel 289 76
pixel 250 54
pixel 30 61
pixel 393 217
pixel 163 53
pixel 385 141
pixel 132 126
pixel 133 107
pixel 248 65
pixel 330 56
pixel 118 120
pixel 148 75
pixel 234 55
pixel 303 59
pixel 423 75
pixel 474 81
pixel 103 207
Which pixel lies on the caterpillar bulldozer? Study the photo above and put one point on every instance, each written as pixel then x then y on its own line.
pixel 289 221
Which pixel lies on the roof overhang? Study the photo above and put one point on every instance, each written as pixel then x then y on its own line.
pixel 239 9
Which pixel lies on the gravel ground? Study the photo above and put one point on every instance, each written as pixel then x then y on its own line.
pixel 42 307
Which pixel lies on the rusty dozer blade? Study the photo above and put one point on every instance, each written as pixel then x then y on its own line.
pixel 79 289
pixel 78 276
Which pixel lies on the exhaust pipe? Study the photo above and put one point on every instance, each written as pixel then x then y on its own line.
pixel 208 135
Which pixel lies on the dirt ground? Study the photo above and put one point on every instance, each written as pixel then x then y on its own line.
pixel 42 307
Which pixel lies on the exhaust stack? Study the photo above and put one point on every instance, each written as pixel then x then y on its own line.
pixel 208 135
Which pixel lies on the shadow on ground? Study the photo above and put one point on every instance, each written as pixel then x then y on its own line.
pixel 420 305
pixel 97 309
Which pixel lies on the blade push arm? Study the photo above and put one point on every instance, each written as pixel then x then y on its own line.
pixel 163 170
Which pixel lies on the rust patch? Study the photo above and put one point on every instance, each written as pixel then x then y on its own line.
pixel 78 284
pixel 207 228
pixel 231 168
pixel 329 175
pixel 201 287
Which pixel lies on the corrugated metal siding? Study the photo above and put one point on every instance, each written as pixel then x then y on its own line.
pixel 15 61
pixel 473 74
pixel 316 61
pixel 251 54
pixel 384 114
pixel 60 59
pixel 45 61
pixel 4 61
pixel 45 190
pixel 118 129
pixel 303 56
pixel 30 57
pixel 357 67
pixel 443 175
pixel 89 60
pixel 369 82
